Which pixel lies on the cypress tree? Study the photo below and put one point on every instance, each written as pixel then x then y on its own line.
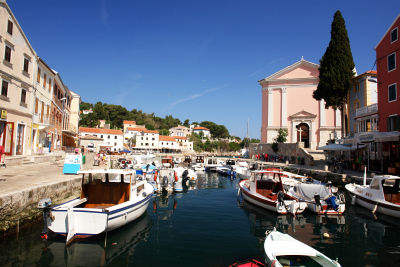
pixel 336 68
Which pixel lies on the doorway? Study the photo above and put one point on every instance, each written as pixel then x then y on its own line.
pixel 303 134
pixel 20 139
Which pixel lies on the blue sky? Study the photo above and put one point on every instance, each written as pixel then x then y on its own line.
pixel 197 60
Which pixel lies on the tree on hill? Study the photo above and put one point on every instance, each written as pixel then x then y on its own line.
pixel 217 131
pixel 336 68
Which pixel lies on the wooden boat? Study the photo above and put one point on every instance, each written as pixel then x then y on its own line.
pixel 382 195
pixel 110 198
pixel 265 189
pixel 283 250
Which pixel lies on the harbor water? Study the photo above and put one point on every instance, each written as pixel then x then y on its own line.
pixel 208 226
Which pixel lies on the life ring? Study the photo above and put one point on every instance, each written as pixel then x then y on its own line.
pixel 155 176
pixel 176 177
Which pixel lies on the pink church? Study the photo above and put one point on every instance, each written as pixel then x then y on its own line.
pixel 287 103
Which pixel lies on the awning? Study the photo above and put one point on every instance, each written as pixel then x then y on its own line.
pixel 335 147
pixel 387 137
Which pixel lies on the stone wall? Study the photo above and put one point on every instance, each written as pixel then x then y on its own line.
pixel 288 150
pixel 20 207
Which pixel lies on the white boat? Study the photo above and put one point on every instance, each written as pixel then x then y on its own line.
pixel 283 250
pixel 110 198
pixel 320 198
pixel 382 195
pixel 265 189
pixel 242 170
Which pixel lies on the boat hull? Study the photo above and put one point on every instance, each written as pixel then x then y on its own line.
pixel 386 208
pixel 89 222
pixel 294 207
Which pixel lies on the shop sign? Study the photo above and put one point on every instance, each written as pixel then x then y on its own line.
pixel 3 115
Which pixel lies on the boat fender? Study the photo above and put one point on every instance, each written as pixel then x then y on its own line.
pixel 375 208
pixel 176 177
pixel 155 176
pixel 353 200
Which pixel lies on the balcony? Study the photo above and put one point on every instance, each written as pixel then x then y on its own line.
pixel 71 129
pixel 367 110
pixel 42 121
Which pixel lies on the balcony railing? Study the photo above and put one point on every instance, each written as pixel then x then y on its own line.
pixel 38 119
pixel 367 110
pixel 70 128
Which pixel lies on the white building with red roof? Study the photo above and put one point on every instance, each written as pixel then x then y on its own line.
pixel 205 132
pixel 147 140
pixel 179 131
pixel 183 143
pixel 168 143
pixel 112 139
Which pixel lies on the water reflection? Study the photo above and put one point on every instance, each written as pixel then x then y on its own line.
pixel 97 251
pixel 356 238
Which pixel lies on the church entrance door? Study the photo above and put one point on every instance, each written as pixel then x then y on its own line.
pixel 303 134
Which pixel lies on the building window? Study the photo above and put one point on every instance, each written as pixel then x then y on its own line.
pixel 392 62
pixel 392 92
pixel 115 137
pixel 26 65
pixel 38 76
pixel 7 54
pixel 393 35
pixel 36 105
pixel 44 80
pixel 101 136
pixel 49 84
pixel 4 88
pixel 393 123
pixel 10 27
pixel 115 144
pixel 23 96
pixel 108 137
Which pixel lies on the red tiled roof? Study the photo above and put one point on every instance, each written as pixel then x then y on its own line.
pixel 201 128
pixel 167 138
pixel 129 122
pixel 179 137
pixel 99 130
pixel 138 129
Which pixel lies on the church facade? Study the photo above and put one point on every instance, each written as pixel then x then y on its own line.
pixel 287 103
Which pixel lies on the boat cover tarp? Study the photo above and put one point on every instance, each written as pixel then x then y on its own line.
pixel 308 191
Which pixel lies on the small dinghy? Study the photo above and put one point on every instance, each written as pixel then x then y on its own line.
pixel 110 198
pixel 283 250
pixel 265 189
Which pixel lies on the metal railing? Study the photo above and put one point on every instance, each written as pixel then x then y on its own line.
pixel 367 110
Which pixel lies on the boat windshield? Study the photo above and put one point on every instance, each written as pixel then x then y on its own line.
pixel 95 178
pixel 302 260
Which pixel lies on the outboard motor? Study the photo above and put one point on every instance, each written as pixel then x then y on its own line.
pixel 185 177
pixel 331 201
pixel 317 199
pixel 45 205
pixel 281 197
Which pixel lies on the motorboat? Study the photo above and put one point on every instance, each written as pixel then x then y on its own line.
pixel 226 170
pixel 110 198
pixel 242 170
pixel 284 250
pixel 265 189
pixel 320 198
pixel 212 164
pixel 382 195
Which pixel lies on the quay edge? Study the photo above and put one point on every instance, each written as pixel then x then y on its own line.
pixel 17 208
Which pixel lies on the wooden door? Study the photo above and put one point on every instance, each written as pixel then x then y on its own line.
pixel 8 138
pixel 20 139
